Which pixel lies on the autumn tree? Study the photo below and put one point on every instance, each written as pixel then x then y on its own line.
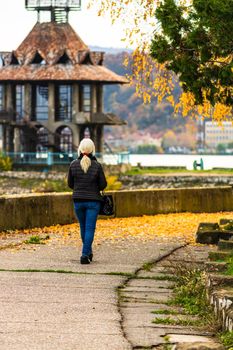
pixel 189 41
pixel 195 42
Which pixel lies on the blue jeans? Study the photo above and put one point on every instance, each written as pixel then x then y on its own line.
pixel 87 213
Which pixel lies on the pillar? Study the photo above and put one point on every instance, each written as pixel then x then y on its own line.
pixel 4 138
pixel 28 102
pixel 17 144
pixel 99 139
pixel 93 135
pixel 93 98
pixel 51 104
pixel 3 97
pixel 99 98
pixel 76 137
pixel 75 102
pixel 9 100
pixel 9 139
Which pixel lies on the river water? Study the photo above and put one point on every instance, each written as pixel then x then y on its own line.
pixel 176 160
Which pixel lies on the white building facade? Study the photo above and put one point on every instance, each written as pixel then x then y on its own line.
pixel 216 134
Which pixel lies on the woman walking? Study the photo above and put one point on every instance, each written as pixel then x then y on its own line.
pixel 86 178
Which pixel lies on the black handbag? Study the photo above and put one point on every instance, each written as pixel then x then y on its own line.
pixel 106 206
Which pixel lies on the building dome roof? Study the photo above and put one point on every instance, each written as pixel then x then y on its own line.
pixel 54 51
pixel 50 40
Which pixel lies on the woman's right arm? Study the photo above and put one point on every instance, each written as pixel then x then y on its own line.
pixel 70 179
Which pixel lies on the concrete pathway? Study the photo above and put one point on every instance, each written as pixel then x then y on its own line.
pixel 48 301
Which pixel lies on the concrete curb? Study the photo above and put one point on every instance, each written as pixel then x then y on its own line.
pixel 39 210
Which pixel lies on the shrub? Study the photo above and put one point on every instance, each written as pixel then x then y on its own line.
pixel 5 162
pixel 113 183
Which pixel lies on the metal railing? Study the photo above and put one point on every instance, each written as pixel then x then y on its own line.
pixel 50 158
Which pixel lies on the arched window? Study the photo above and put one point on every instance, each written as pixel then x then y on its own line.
pixel 87 133
pixel 42 140
pixel 65 139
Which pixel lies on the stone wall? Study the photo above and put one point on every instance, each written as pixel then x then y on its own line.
pixel 38 210
pixel 162 201
pixel 174 181
pixel 221 298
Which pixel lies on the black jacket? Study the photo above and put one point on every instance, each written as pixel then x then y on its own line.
pixel 86 186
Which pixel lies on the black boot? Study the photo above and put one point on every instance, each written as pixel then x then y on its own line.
pixel 90 256
pixel 85 259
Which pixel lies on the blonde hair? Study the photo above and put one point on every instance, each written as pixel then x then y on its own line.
pixel 86 146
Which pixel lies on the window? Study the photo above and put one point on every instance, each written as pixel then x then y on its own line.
pixel 42 140
pixel 64 103
pixel 86 98
pixel 66 140
pixel 19 101
pixel 1 97
pixel 41 105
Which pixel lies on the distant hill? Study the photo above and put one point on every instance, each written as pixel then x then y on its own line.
pixel 157 119
pixel 110 50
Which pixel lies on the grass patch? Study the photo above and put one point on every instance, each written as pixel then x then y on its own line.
pixel 227 339
pixel 167 345
pixel 125 274
pixel 176 322
pixel 160 302
pixel 190 294
pixel 165 312
pixel 36 240
pixel 167 170
pixel 147 266
pixel 229 261
pixel 229 271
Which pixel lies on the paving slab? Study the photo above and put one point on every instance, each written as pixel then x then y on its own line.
pixel 107 257
pixel 142 296
pixel 59 311
pixel 185 338
pixel 66 311
pixel 79 307
pixel 141 283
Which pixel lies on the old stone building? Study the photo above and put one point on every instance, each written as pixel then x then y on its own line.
pixel 51 87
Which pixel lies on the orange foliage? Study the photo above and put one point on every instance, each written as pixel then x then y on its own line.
pixel 150 78
pixel 180 227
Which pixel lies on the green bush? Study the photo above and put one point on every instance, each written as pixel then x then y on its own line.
pixel 5 162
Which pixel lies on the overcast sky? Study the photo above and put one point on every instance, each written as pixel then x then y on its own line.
pixel 16 22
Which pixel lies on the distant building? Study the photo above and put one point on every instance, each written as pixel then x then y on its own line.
pixel 51 86
pixel 216 134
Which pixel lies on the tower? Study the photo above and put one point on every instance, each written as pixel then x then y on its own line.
pixel 51 86
pixel 59 9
